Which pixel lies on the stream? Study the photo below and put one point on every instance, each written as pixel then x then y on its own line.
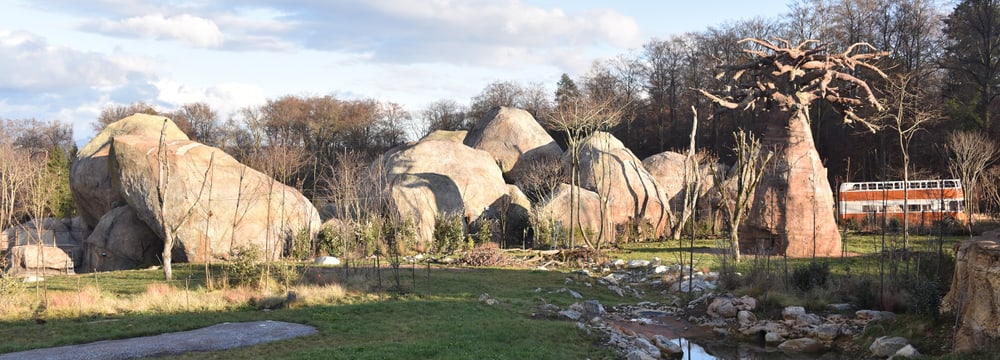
pixel 700 343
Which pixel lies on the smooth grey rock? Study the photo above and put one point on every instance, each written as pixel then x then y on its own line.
pixel 667 347
pixel 746 318
pixel 593 308
pixel 801 345
pixel 792 312
pixel 571 314
pixel 886 346
pixel 907 352
pixel 826 332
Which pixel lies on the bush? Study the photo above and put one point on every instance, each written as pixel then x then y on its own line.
pixel 924 297
pixel 811 276
pixel 245 267
pixel 9 285
pixel 330 241
pixel 484 231
pixel 449 233
pixel 301 246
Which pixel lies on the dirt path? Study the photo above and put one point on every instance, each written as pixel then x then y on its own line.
pixel 216 337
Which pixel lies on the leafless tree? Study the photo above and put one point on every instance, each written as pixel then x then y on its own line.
pixel 114 113
pixel 200 122
pixel 444 115
pixel 14 179
pixel 750 165
pixel 577 119
pixel 171 221
pixel 970 153
pixel 907 116
pixel 692 182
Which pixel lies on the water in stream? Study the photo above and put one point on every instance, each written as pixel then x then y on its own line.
pixel 700 343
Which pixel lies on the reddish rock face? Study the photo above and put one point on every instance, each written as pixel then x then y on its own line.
pixel 792 211
pixel 975 291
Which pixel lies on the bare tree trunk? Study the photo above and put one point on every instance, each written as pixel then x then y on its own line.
pixel 692 182
pixel 161 189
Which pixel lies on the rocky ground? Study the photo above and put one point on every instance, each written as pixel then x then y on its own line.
pixel 649 330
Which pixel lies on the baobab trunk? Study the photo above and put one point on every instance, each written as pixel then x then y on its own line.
pixel 792 210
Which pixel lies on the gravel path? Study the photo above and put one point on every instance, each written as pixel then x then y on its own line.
pixel 216 337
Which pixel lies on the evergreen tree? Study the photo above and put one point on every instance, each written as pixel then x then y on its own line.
pixel 62 205
pixel 566 90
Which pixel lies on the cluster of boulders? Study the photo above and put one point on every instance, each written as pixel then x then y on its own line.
pixel 721 316
pixel 475 175
pixel 140 178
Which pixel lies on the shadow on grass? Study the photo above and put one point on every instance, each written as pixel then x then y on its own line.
pixel 447 322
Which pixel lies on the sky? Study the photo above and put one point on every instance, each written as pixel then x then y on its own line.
pixel 67 59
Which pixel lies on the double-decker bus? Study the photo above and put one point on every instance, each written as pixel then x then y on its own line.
pixel 928 201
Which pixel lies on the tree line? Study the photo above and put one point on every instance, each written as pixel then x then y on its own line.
pixel 941 88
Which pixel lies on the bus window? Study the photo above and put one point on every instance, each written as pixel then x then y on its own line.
pixel 913 207
pixel 855 187
pixel 948 184
pixel 932 185
pixel 869 208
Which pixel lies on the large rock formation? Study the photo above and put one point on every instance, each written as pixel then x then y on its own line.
pixel 554 216
pixel 514 138
pixel 90 180
pixel 975 292
pixel 213 203
pixel 434 177
pixel 792 209
pixel 667 168
pixel 121 241
pixel 610 169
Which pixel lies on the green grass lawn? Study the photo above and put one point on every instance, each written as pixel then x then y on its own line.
pixel 450 323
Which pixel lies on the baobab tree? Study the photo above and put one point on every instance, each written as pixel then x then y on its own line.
pixel 793 212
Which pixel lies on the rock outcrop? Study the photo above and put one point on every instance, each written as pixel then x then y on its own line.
pixel 975 292
pixel 515 140
pixel 121 241
pixel 631 194
pixel 90 178
pixel 213 203
pixel 433 177
pixel 66 235
pixel 39 260
pixel 792 211
pixel 667 168
pixel 556 212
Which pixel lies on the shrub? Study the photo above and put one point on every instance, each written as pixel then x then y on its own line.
pixel 301 246
pixel 449 233
pixel 9 285
pixel 245 266
pixel 924 297
pixel 811 276
pixel 330 241
pixel 484 231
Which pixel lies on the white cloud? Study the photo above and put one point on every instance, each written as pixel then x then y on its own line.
pixel 29 63
pixel 225 98
pixel 194 30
